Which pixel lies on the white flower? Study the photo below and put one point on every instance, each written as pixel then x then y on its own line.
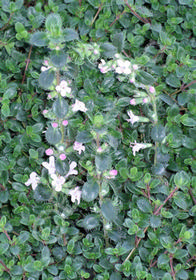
pixel 71 169
pixel 78 147
pixel 33 180
pixel 75 194
pixel 79 106
pixel 133 118
pixel 50 166
pixel 63 88
pixel 138 146
pixel 124 67
pixel 103 67
pixel 57 182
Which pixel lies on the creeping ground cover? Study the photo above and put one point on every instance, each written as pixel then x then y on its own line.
pixel 97 139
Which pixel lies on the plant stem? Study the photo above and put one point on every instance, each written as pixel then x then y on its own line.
pixel 97 13
pixel 103 219
pixel 136 245
pixel 5 267
pixel 157 212
pixel 144 20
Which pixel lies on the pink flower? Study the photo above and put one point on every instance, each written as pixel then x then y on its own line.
pixel 152 89
pixel 45 112
pixel 113 172
pixel 78 147
pixel 49 96
pixel 132 80
pixel 65 122
pixel 49 152
pixel 62 156
pixel 54 124
pixel 135 67
pixel 145 100
pixel 96 52
pixel 46 62
pixel 111 175
pixel 99 150
pixel 132 101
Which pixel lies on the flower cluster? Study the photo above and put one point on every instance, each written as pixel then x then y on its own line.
pixel 120 66
pixel 79 106
pixel 63 89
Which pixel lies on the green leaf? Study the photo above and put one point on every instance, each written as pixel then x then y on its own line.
pixel 180 253
pixel 163 259
pixel 158 133
pixel 53 22
pixel 185 120
pixel 182 179
pixel 90 191
pixel 11 92
pixel 19 27
pixel 173 81
pixel 84 137
pixel 108 210
pixel 70 246
pixel 115 276
pixel 186 2
pixel 70 34
pixel 24 236
pixel 60 108
pixel 144 205
pixel 3 248
pixel 182 274
pixel 90 222
pixel 53 135
pixel 146 78
pixel 108 50
pixel 103 162
pixel 180 200
pixel 5 109
pixel 38 265
pixel 58 58
pixel 155 221
pixel 18 187
pixel 39 39
pixel 118 41
pixel 17 270
pixel 88 86
pixel 46 78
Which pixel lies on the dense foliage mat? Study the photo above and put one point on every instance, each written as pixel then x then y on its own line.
pixel 98 139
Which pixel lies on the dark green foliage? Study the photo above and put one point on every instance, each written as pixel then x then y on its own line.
pixel 138 223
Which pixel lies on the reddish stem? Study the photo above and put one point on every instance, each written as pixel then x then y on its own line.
pixel 7 235
pixel 144 20
pixel 27 64
pixel 171 265
pixel 191 83
pixel 97 13
pixel 6 268
pixel 117 18
pixel 2 187
pixel 192 196
pixel 169 196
